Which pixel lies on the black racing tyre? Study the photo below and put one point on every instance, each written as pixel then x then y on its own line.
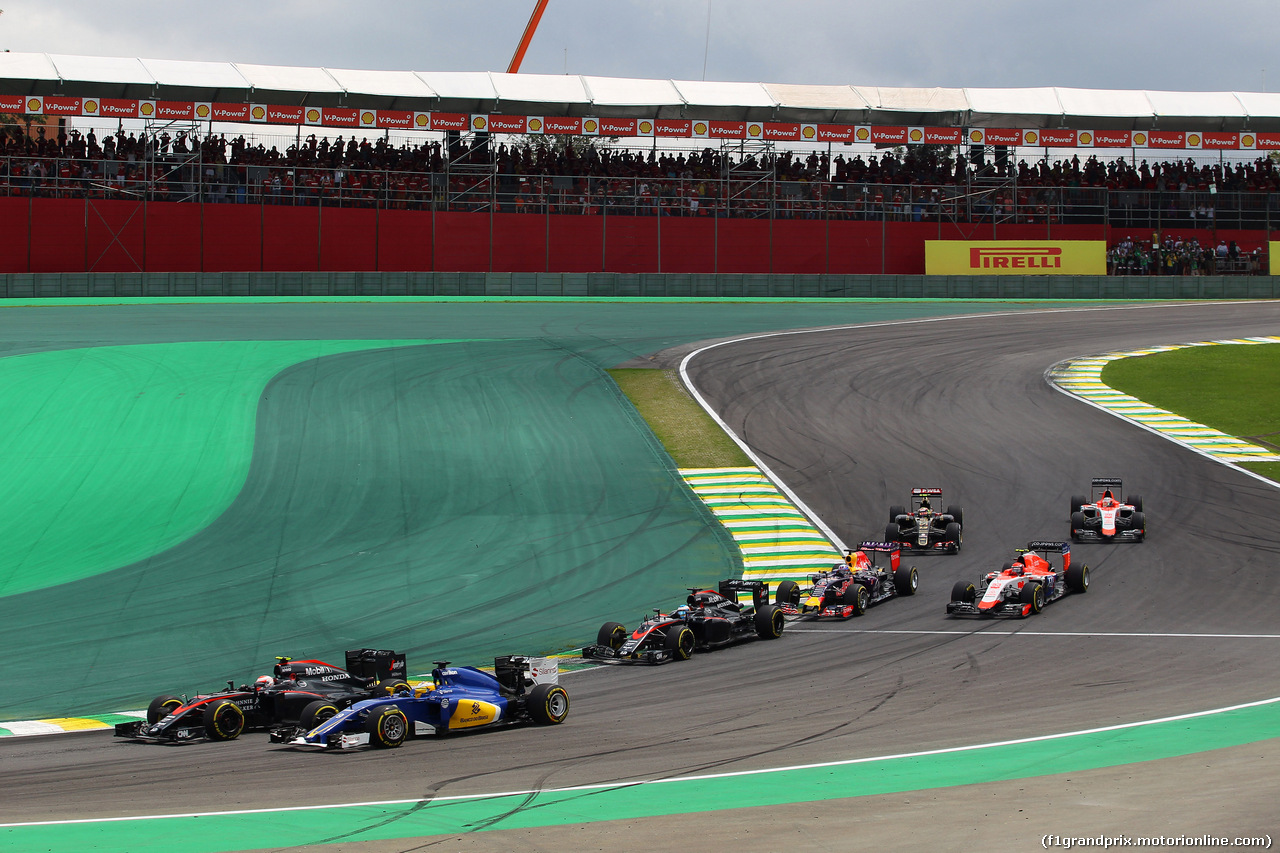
pixel 547 704
pixel 223 720
pixel 769 622
pixel 1078 501
pixel 963 591
pixel 788 593
pixel 315 713
pixel 1006 566
pixel 857 597
pixel 895 511
pixel 387 727
pixel 906 580
pixel 1139 523
pixel 391 687
pixel 1135 501
pixel 954 534
pixel 957 513
pixel 161 707
pixel 1077 524
pixel 680 642
pixel 611 634
pixel 1078 578
pixel 892 533
pixel 1033 594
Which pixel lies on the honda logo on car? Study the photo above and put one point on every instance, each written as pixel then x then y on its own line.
pixel 1014 258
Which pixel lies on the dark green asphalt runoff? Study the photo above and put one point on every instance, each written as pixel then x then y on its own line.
pixel 453 501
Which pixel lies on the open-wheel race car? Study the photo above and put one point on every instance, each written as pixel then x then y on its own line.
pixel 850 587
pixel 1024 586
pixel 458 699
pixel 299 692
pixel 708 619
pixel 1106 515
pixel 925 527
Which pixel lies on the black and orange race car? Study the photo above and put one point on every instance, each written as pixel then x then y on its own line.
pixel 850 587
pixel 708 619
pixel 299 692
pixel 1022 587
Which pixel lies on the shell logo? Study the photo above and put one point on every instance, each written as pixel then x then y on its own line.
pixel 1193 139
pixel 33 105
pixel 916 135
pixel 700 128
pixel 590 125
pixel 808 131
pixel 753 130
pixel 366 117
pixel 1085 137
pixel 147 108
pixel 1139 138
pixel 479 123
pixel 646 127
pixel 90 106
pixel 975 136
pixel 259 113
pixel 863 134
pixel 313 115
pixel 1247 140
pixel 422 120
pixel 1030 137
pixel 535 125
pixel 202 110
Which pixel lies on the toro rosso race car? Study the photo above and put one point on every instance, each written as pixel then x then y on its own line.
pixel 925 528
pixel 1022 587
pixel 707 620
pixel 1107 516
pixel 299 692
pixel 849 588
pixel 463 698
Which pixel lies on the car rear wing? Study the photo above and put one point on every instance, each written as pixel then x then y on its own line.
pixel 1103 482
pixel 1051 547
pixel 893 549
pixel 517 673
pixel 731 587
pixel 378 664
pixel 915 493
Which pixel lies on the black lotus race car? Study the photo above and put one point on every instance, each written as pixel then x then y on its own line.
pixel 300 692
pixel 707 620
pixel 1107 516
pixel 850 587
pixel 924 528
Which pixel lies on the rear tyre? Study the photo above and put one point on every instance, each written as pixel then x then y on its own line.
pixel 957 513
pixel 892 533
pixel 387 727
pixel 223 720
pixel 857 597
pixel 1033 594
pixel 1077 524
pixel 548 704
pixel 895 511
pixel 906 580
pixel 1136 502
pixel 769 622
pixel 1077 501
pixel 788 593
pixel 963 591
pixel 1140 524
pixel 161 707
pixel 1078 578
pixel 611 634
pixel 953 535
pixel 316 713
pixel 680 642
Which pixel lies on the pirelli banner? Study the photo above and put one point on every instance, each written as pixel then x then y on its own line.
pixel 1015 257
pixel 1273 259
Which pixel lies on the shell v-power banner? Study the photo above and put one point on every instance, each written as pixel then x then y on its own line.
pixel 1015 257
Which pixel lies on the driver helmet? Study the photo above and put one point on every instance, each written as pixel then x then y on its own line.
pixel 263 681
pixel 682 612
pixel 1017 569
pixel 924 502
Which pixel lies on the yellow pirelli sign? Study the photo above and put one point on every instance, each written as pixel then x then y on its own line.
pixel 1015 257
pixel 1273 260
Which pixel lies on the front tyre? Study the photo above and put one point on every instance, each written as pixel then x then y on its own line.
pixel 1138 521
pixel 1033 594
pixel 788 593
pixel 223 720
pixel 161 707
pixel 1077 524
pixel 680 642
pixel 892 533
pixel 611 634
pixel 387 727
pixel 315 713
pixel 953 536
pixel 856 596
pixel 963 591
pixel 769 622
pixel 548 704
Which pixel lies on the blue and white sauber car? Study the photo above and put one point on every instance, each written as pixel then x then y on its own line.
pixel 463 698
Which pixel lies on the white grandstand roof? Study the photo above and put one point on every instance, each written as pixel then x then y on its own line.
pixel 546 94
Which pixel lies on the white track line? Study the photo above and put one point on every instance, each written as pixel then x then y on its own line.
pixel 980 633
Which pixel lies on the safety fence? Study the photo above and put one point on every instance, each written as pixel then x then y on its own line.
pixel 624 285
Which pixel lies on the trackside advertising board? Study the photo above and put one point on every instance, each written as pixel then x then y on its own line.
pixel 1015 257
pixel 1272 258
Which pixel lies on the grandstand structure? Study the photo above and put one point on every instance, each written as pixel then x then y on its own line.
pixel 135 215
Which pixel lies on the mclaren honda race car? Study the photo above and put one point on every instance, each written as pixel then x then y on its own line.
pixel 458 699
pixel 299 692
pixel 925 528
pixel 707 620
pixel 1022 587
pixel 849 588
pixel 1107 515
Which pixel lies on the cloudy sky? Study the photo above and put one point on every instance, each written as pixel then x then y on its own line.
pixel 1117 44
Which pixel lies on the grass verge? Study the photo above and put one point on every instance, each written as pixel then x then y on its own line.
pixel 1232 388
pixel 687 432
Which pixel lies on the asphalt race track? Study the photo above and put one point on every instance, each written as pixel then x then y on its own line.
pixel 852 419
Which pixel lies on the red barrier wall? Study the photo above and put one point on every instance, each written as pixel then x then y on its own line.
pixel 78 235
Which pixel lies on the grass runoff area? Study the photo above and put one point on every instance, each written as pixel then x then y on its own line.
pixel 688 433
pixel 1232 388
